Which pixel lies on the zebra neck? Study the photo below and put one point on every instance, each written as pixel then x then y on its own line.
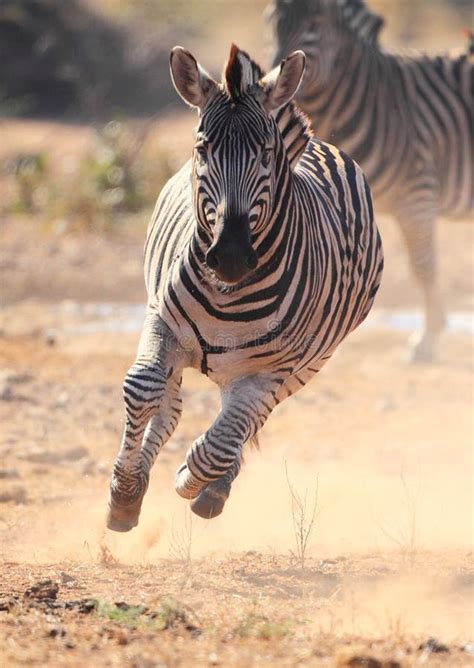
pixel 295 130
pixel 357 70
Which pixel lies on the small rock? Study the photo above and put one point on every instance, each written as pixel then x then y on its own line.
pixel 468 648
pixel 13 377
pixel 17 495
pixel 433 647
pixel 67 579
pixel 122 637
pixel 359 662
pixel 8 380
pixel 6 604
pixel 213 659
pixel 9 474
pixel 50 338
pixel 43 590
pixel 85 606
pixel 55 632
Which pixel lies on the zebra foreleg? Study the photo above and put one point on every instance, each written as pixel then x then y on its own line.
pixel 153 407
pixel 214 460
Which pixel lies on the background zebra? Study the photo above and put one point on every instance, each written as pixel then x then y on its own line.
pixel 261 256
pixel 406 119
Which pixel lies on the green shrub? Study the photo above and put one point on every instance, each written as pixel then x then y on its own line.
pixel 113 179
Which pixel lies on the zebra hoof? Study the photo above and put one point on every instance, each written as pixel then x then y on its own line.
pixel 210 502
pixel 123 518
pixel 421 350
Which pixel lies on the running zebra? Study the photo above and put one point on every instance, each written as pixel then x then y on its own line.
pixel 261 256
pixel 407 120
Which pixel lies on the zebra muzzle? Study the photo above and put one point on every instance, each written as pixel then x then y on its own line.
pixel 231 256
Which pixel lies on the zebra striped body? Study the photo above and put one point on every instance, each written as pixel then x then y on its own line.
pixel 321 232
pixel 407 120
pixel 261 338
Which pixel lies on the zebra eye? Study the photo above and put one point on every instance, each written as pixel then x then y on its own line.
pixel 201 155
pixel 266 156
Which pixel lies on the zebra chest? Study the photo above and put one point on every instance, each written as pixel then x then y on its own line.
pixel 237 334
pixel 223 340
pixel 225 345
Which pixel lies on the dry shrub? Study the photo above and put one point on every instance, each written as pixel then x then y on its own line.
pixel 304 514
pixel 114 179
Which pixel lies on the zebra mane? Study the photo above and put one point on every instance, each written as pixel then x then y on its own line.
pixel 361 20
pixel 354 14
pixel 241 74
pixel 295 129
pixel 241 77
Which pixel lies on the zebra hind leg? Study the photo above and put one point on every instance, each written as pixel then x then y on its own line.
pixel 419 234
pixel 214 460
pixel 211 500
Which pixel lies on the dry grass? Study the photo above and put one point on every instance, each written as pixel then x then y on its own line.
pixel 181 543
pixel 304 515
pixel 406 535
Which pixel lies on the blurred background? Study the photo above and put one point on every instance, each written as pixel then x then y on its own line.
pixel 90 126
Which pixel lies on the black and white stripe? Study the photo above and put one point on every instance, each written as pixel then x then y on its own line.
pixel 406 119
pixel 260 339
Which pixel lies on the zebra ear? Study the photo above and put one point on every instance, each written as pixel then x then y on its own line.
pixel 280 85
pixel 191 81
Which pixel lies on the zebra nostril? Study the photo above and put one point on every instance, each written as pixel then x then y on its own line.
pixel 212 259
pixel 251 260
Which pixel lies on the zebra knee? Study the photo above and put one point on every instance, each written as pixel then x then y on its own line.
pixel 424 268
pixel 143 388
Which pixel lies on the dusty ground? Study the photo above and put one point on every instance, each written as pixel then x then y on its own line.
pixel 387 446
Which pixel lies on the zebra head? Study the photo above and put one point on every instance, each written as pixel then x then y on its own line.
pixel 237 153
pixel 320 28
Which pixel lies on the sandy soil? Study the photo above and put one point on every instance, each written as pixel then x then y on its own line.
pixel 386 446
